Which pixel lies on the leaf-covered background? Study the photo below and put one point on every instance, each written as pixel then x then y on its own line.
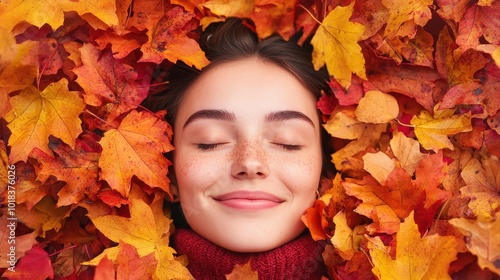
pixel 413 113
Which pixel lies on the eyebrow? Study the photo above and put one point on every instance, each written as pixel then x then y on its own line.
pixel 288 115
pixel 210 114
pixel 225 115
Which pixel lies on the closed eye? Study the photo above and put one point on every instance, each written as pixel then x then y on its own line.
pixel 205 147
pixel 289 147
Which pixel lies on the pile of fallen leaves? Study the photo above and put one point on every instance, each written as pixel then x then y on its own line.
pixel 413 114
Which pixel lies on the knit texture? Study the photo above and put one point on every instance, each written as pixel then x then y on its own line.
pixel 299 259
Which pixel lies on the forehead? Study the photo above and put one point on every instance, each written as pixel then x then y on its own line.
pixel 247 86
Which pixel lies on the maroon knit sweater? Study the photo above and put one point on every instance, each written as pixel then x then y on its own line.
pixel 299 259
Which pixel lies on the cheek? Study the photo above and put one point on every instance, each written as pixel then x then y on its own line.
pixel 195 172
pixel 302 174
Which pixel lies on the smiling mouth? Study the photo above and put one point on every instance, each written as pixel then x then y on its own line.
pixel 249 200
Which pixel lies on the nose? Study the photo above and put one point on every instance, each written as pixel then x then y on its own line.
pixel 249 161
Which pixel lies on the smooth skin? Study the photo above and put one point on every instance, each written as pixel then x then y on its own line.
pixel 248 155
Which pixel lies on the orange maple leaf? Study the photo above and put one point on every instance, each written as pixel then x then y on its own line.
pixel 404 16
pixel 386 204
pixel 135 148
pixel 167 39
pixel 108 83
pixel 36 115
pixel 390 202
pixel 243 272
pixel 78 168
pixel 476 23
pixel 416 257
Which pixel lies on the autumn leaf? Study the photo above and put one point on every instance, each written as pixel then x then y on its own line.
pixel 105 270
pixel 386 204
pixel 130 265
pixel 15 59
pixel 476 23
pixel 21 243
pixel 336 45
pixel 433 131
pixel 482 239
pixel 107 81
pixel 416 82
pixel 343 237
pixel 140 231
pixel 377 107
pixel 343 124
pixel 226 8
pixel 35 265
pixel 36 115
pixel 416 257
pixel 167 39
pixel 29 191
pixel 482 179
pixel 44 216
pixel 370 134
pixel 135 148
pixel 243 272
pixel 407 151
pixel 379 165
pixel 4 167
pixel 269 17
pixel 78 168
pixel 404 15
pixel 35 12
pixel 476 93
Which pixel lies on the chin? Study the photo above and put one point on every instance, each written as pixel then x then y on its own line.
pixel 249 240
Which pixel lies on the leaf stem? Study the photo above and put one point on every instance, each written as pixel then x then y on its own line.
pixel 45 66
pixel 404 124
pixel 63 249
pixel 310 13
pixel 97 117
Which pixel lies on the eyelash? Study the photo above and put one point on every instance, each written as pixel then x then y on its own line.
pixel 290 147
pixel 206 147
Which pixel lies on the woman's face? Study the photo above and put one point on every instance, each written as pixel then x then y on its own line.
pixel 248 155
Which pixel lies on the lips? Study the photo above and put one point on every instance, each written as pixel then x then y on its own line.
pixel 249 200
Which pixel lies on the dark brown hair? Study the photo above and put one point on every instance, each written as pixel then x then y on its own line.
pixel 230 41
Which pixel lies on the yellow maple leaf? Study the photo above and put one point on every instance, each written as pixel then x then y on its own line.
pixel 36 115
pixel 483 239
pixel 482 181
pixel 345 239
pixel 13 12
pixel 336 45
pixel 343 124
pixel 403 12
pixel 433 131
pixel 230 8
pixel 377 107
pixel 136 147
pixel 428 257
pixel 407 151
pixel 146 231
pixel 15 59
